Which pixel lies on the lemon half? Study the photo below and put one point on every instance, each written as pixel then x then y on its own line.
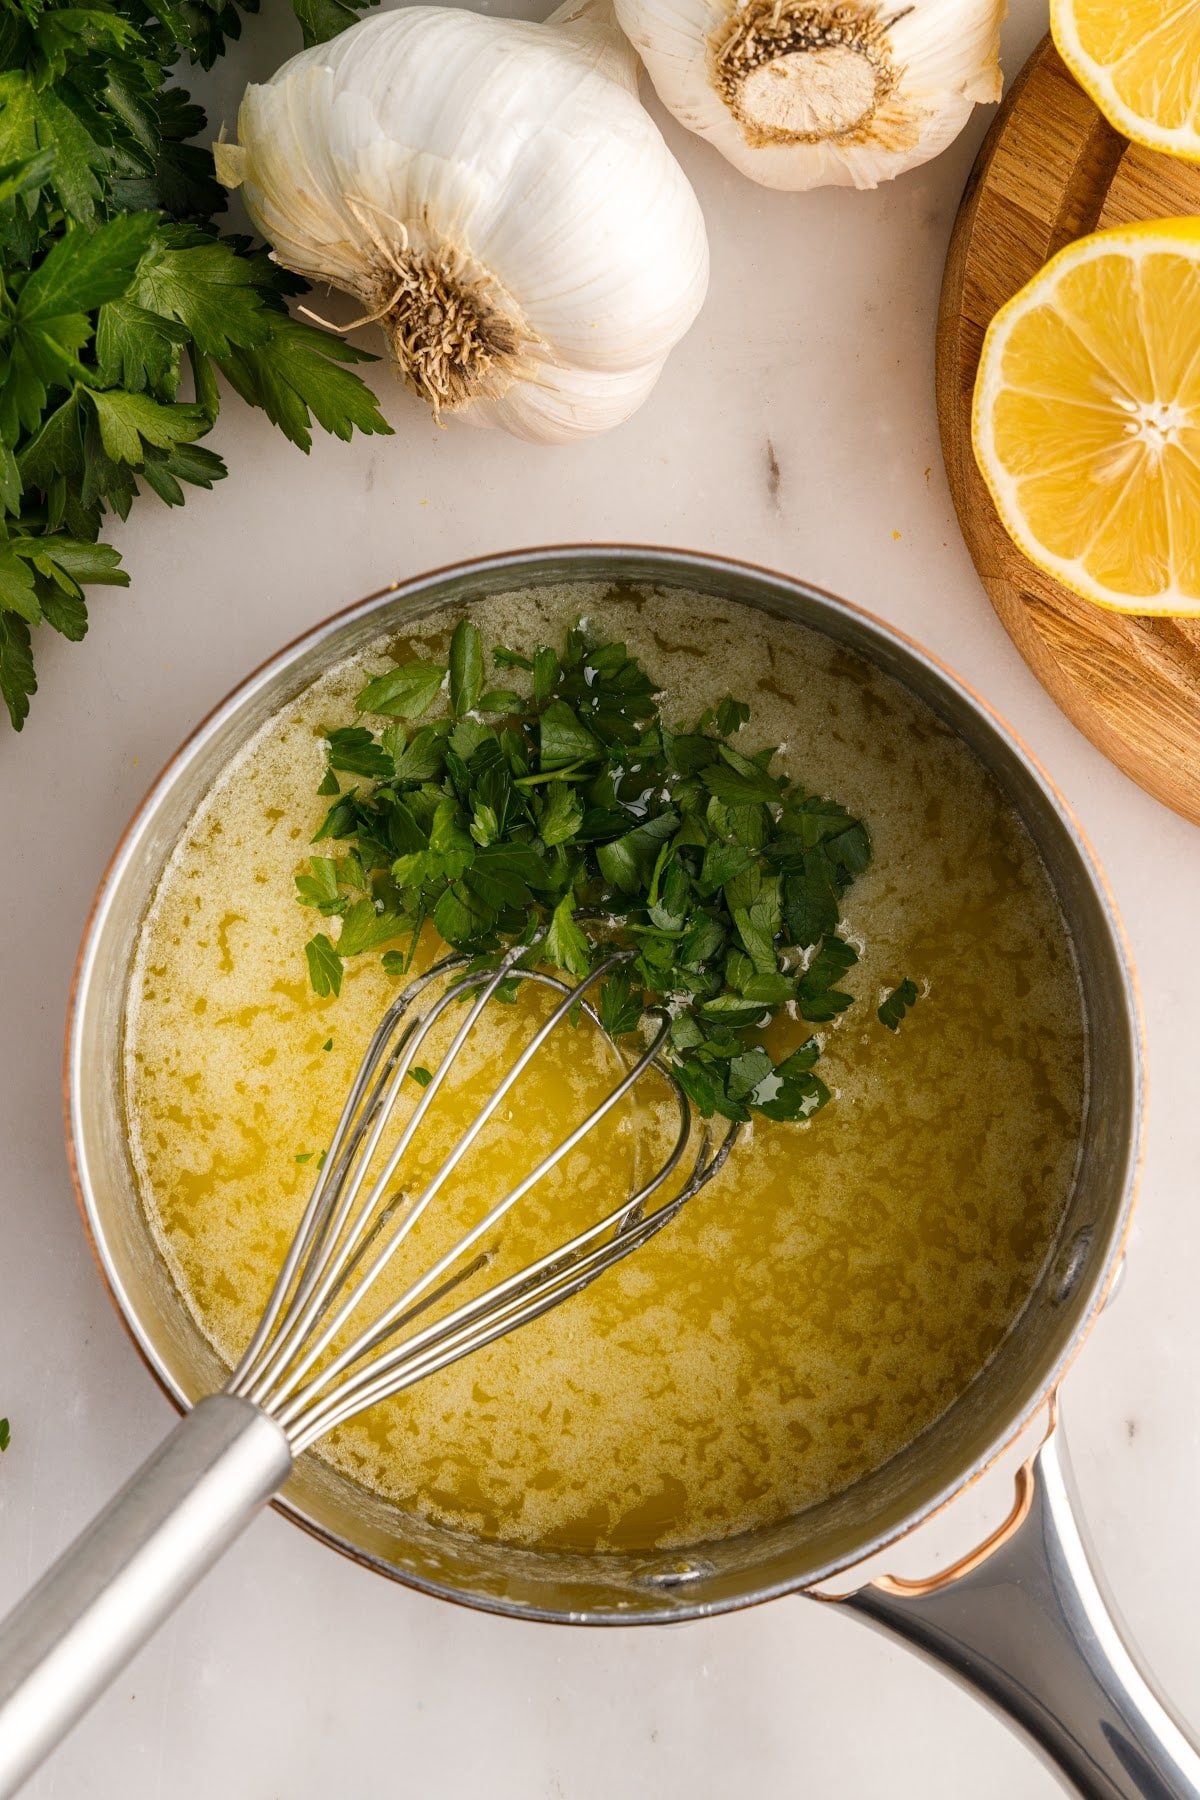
pixel 1140 62
pixel 1086 420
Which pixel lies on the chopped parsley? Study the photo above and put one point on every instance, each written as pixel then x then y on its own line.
pixel 569 800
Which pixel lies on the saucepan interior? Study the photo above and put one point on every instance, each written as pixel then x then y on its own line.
pixel 708 1577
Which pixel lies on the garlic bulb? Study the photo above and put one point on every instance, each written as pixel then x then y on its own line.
pixel 495 196
pixel 801 95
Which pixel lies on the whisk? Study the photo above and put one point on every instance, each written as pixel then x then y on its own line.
pixel 320 1353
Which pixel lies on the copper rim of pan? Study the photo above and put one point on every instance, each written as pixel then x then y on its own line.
pixel 702 564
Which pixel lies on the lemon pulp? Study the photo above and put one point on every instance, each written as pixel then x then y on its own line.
pixel 823 1300
pixel 1140 62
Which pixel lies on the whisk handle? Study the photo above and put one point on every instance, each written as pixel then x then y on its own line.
pixel 73 1632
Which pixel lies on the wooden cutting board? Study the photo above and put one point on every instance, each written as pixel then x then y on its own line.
pixel 1050 170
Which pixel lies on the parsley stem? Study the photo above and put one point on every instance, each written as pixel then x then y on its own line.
pixel 576 771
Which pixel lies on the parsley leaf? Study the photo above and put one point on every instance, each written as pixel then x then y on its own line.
pixel 737 781
pixel 295 378
pixel 793 1091
pixel 564 739
pixel 353 750
pixel 499 700
pixel 559 815
pixel 810 898
pixel 466 667
pixel 365 928
pixel 564 944
pixel 205 289
pixel 130 422
pixel 83 269
pixel 722 863
pixel 324 965
pixel 402 693
pixel 753 901
pixel 629 860
pixel 816 995
pixel 17 679
pixel 731 715
pixel 620 1007
pixel 897 1004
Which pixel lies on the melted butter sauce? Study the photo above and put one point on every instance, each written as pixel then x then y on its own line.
pixel 821 1302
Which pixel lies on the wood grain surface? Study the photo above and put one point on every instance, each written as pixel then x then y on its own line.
pixel 1050 170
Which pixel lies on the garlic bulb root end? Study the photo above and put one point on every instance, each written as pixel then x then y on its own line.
pixel 794 72
pixel 452 337
pixel 808 93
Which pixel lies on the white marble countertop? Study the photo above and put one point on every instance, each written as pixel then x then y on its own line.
pixel 291 1674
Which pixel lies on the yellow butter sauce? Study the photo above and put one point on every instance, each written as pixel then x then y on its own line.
pixel 824 1300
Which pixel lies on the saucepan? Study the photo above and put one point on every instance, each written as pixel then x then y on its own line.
pixel 1021 1619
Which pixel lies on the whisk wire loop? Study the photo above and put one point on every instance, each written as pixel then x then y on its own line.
pixel 417 1206
pixel 313 1224
pixel 482 1321
pixel 401 1309
pixel 294 1367
pixel 308 1310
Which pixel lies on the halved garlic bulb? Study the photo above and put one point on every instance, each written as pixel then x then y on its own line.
pixel 801 95
pixel 495 195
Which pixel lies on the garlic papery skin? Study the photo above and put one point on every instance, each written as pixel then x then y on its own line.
pixel 800 95
pixel 498 200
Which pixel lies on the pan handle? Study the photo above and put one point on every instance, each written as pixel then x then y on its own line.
pixel 72 1633
pixel 1030 1631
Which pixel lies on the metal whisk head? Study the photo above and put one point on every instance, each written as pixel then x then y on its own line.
pixel 320 1354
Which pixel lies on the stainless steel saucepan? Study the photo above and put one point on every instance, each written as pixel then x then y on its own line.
pixel 1021 1620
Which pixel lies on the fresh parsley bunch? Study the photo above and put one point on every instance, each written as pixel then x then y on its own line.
pixel 570 800
pixel 118 298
